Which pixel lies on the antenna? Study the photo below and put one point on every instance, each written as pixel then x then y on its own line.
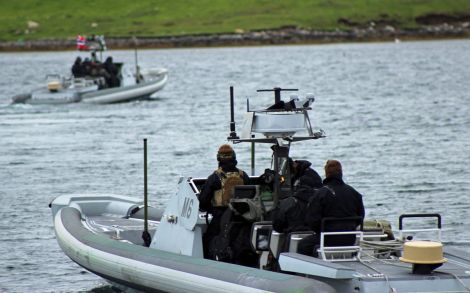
pixel 233 133
pixel 137 70
pixel 145 234
pixel 277 93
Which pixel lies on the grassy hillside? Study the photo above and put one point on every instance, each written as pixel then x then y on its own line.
pixel 67 18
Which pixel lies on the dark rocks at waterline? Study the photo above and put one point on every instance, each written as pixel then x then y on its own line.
pixel 287 35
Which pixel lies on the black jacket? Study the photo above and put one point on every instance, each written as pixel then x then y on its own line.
pixel 213 184
pixel 306 175
pixel 289 216
pixel 78 70
pixel 111 68
pixel 336 199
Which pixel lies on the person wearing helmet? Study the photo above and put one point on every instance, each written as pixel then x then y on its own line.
pixel 218 190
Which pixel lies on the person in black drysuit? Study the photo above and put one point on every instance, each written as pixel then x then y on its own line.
pixel 221 214
pixel 335 199
pixel 78 69
pixel 289 215
pixel 304 175
pixel 112 80
pixel 87 66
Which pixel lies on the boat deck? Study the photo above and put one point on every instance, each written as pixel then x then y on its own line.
pixel 130 229
pixel 452 276
pixel 456 265
pixel 370 274
pixel 122 229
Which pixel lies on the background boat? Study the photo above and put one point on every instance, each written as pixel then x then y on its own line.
pixel 95 82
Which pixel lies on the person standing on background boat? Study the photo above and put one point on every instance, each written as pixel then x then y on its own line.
pixel 112 70
pixel 94 58
pixel 78 69
pixel 335 199
pixel 87 66
pixel 217 192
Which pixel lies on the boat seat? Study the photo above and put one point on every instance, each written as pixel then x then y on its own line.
pixel 306 265
pixel 281 242
pixel 276 243
pixel 54 86
pixel 294 238
pixel 261 236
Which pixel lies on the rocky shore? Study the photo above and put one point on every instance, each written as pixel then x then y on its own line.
pixel 379 31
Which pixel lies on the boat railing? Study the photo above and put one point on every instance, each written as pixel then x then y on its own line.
pixel 340 253
pixel 54 77
pixel 350 248
pixel 402 233
pixel 279 242
pixel 79 82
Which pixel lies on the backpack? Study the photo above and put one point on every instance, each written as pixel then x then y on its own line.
pixel 227 181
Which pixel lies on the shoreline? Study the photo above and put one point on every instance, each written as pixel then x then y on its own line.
pixel 282 36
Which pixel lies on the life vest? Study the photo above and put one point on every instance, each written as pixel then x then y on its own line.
pixel 228 180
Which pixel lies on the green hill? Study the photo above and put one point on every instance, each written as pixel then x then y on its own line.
pixel 52 19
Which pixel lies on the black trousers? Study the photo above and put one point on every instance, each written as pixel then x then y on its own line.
pixel 212 230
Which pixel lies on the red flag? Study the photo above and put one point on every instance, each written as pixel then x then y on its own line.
pixel 81 43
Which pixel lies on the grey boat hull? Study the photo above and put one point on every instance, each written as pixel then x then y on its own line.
pixel 153 270
pixel 125 94
pixel 93 95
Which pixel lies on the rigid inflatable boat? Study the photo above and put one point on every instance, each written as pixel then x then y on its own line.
pixel 95 84
pixel 133 245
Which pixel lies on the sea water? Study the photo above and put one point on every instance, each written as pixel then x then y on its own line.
pixel 397 115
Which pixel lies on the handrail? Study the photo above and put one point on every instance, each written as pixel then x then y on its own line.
pixel 345 219
pixel 400 219
pixel 438 229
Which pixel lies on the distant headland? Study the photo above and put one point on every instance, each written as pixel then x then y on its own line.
pixel 25 26
pixel 282 36
pixel 285 35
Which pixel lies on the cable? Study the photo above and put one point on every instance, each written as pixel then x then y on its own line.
pixel 457 278
pixel 393 290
